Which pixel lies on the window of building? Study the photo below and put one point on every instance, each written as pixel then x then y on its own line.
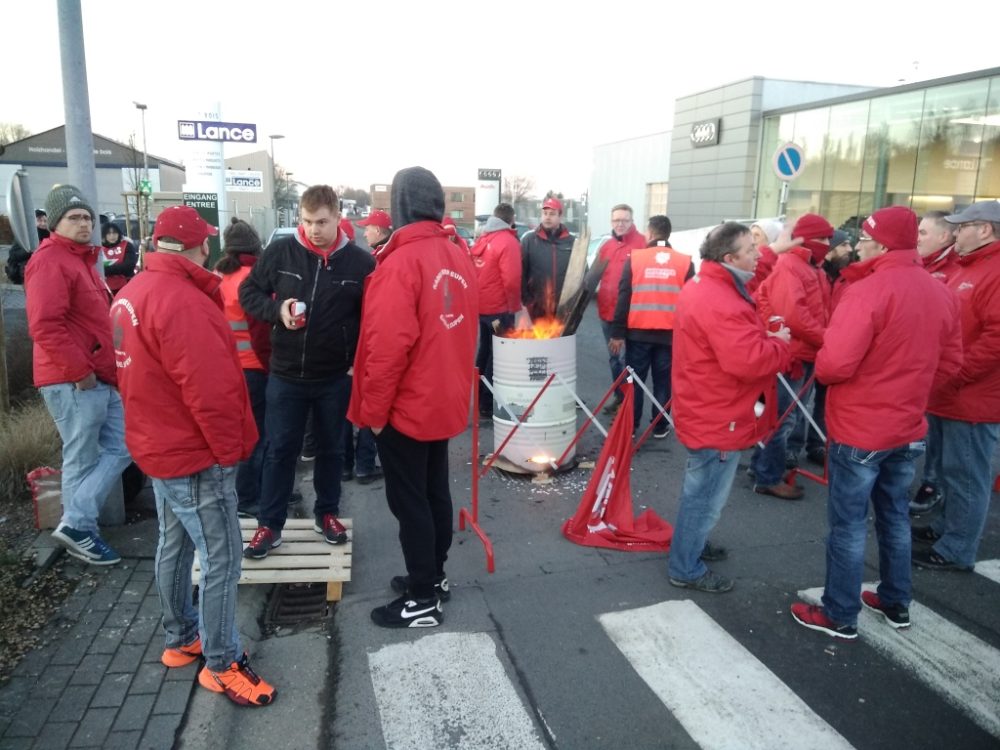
pixel 457 214
pixel 458 197
pixel 656 198
pixel 988 185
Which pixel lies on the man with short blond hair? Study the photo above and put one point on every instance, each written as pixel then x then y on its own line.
pixel 312 352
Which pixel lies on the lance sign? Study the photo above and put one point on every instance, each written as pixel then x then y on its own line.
pixel 207 130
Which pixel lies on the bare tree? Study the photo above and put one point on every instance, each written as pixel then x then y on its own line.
pixel 516 189
pixel 12 131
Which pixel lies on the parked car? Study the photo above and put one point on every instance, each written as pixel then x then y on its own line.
pixel 280 232
pixel 465 234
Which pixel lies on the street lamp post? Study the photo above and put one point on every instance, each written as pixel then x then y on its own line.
pixel 274 174
pixel 143 214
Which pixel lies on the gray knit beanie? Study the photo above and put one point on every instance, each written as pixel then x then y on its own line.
pixel 63 198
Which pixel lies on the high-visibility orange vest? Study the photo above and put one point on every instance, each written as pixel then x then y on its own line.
pixel 658 274
pixel 230 290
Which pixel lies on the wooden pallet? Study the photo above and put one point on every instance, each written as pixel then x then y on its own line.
pixel 303 557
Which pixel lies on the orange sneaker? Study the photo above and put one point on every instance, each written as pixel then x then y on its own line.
pixel 182 655
pixel 240 684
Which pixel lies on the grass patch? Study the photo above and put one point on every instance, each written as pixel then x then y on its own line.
pixel 28 439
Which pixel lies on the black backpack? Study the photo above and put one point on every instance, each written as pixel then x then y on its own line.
pixel 17 259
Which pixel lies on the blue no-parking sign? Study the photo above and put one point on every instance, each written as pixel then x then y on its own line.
pixel 788 161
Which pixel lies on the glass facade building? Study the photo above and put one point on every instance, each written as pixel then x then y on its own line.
pixel 928 146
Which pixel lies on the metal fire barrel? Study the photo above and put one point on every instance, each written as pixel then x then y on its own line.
pixel 520 368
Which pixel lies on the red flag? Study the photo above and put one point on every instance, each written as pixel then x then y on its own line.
pixel 604 518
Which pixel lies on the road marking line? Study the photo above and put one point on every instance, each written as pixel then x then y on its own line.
pixel 990 569
pixel 449 690
pixel 720 693
pixel 955 664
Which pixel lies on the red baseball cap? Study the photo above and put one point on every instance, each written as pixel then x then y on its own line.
pixel 377 218
pixel 184 224
pixel 554 203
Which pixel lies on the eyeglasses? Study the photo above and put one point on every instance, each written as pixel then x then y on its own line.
pixel 621 221
pixel 865 238
pixel 963 225
pixel 79 218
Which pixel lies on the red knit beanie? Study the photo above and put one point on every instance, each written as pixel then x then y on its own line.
pixel 812 227
pixel 895 227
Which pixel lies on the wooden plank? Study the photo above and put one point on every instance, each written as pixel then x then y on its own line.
pixel 303 557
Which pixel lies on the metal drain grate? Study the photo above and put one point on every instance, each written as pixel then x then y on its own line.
pixel 294 603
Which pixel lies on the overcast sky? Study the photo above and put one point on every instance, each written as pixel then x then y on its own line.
pixel 360 90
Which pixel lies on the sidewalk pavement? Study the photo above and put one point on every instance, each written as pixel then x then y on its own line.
pixel 98 682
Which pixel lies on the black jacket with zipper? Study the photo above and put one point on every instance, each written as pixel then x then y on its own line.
pixel 324 346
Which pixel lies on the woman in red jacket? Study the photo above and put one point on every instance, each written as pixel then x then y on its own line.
pixel 253 345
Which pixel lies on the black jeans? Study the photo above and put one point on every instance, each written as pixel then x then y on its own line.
pixel 484 357
pixel 417 487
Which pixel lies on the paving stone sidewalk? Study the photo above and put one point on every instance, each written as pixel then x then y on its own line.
pixel 98 681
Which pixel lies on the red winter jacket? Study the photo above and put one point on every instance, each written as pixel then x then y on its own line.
pixel 186 402
pixel 724 360
pixel 67 305
pixel 799 292
pixel 974 395
pixel 414 363
pixel 617 251
pixel 879 371
pixel 765 265
pixel 497 258
pixel 942 264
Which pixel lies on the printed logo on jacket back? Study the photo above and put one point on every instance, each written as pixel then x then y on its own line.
pixel 122 312
pixel 443 286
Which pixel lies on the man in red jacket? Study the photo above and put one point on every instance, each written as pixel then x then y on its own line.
pixel 797 290
pixel 74 369
pixel 497 258
pixel 966 411
pixel 936 245
pixel 412 382
pixel 625 238
pixel 879 377
pixel 730 360
pixel 188 422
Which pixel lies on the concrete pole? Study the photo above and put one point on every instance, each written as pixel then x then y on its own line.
pixel 80 158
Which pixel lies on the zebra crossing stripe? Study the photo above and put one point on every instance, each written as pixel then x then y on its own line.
pixel 702 675
pixel 430 688
pixel 958 666
pixel 989 569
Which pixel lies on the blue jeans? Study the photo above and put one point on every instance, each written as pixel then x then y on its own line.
pixel 967 477
pixel 288 403
pixel 768 463
pixel 615 361
pixel 641 357
pixel 932 459
pixel 484 356
pixel 248 473
pixel 362 457
pixel 199 512
pixel 91 424
pixel 708 478
pixel 804 435
pixel 855 476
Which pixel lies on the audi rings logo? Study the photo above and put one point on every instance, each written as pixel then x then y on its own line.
pixel 705 133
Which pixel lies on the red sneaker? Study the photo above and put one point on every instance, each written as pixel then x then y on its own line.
pixel 813 617
pixel 332 530
pixel 264 540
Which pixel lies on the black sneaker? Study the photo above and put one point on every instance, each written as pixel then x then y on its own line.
pixel 928 559
pixel 711 583
pixel 401 584
pixel 897 616
pixel 926 499
pixel 661 430
pixel 711 553
pixel 247 511
pixel 407 612
pixel 924 535
pixel 370 477
pixel 295 498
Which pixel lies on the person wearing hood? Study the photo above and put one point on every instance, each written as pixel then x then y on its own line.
pixel 723 396
pixel 870 348
pixel 766 235
pixel 625 237
pixel 412 379
pixel 545 257
pixel 73 365
pixel 241 249
pixel 496 256
pixel 120 257
pixel 798 292
pixel 308 286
